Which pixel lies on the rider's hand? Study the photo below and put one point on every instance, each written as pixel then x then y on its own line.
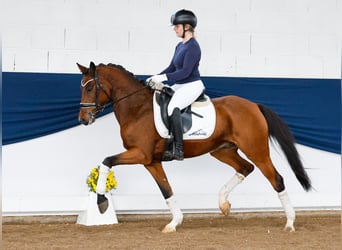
pixel 158 78
pixel 154 85
pixel 156 81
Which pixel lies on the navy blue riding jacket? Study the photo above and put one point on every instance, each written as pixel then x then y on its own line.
pixel 185 62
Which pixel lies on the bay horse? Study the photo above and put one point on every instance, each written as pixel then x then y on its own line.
pixel 240 124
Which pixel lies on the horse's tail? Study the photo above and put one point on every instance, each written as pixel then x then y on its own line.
pixel 278 130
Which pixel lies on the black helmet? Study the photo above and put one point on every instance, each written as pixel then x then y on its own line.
pixel 184 17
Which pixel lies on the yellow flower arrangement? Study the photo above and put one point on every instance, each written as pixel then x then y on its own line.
pixel 111 182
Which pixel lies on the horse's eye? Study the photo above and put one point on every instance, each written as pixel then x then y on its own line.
pixel 90 88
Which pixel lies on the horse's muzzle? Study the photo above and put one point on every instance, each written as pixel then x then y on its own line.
pixel 86 118
pixel 83 121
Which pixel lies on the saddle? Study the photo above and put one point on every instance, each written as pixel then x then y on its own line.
pixel 163 99
pixel 198 119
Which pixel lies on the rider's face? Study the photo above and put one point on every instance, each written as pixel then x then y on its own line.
pixel 178 28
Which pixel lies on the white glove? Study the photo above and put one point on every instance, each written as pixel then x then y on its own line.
pixel 154 85
pixel 155 82
pixel 158 78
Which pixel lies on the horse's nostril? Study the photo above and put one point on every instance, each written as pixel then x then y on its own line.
pixel 83 121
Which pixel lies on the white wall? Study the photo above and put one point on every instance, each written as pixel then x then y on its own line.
pixel 269 38
pixel 48 174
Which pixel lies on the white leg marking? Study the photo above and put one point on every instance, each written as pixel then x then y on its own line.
pixel 289 211
pixel 101 181
pixel 177 216
pixel 226 189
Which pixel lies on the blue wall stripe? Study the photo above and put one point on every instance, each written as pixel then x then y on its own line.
pixel 38 104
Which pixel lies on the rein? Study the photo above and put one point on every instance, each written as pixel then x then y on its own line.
pixel 133 93
pixel 100 108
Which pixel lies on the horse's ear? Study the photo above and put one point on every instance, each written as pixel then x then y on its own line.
pixel 83 69
pixel 92 68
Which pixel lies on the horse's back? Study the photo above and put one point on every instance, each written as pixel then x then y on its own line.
pixel 235 105
pixel 242 118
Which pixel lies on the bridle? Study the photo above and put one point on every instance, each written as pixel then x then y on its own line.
pixel 97 107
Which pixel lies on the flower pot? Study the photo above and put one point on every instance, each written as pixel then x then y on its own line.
pixel 92 216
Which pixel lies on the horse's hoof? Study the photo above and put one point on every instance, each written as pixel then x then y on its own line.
pixel 289 229
pixel 225 208
pixel 289 226
pixel 103 206
pixel 102 203
pixel 168 229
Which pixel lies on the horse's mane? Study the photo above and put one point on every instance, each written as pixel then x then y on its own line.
pixel 120 67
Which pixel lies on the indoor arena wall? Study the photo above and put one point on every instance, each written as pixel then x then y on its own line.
pixel 240 39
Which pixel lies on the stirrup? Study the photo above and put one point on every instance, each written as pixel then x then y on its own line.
pixel 178 155
pixel 173 154
pixel 167 156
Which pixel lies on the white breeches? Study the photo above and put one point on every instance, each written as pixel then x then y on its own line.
pixel 185 94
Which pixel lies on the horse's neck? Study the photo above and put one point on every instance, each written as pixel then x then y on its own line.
pixel 131 99
pixel 133 108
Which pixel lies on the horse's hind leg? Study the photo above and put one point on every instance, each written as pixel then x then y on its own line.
pixel 157 172
pixel 267 168
pixel 260 156
pixel 243 168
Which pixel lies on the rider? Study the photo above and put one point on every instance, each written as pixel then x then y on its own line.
pixel 183 72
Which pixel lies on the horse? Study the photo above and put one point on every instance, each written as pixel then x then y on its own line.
pixel 240 125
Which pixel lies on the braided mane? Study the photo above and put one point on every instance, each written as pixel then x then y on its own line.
pixel 112 65
pixel 120 67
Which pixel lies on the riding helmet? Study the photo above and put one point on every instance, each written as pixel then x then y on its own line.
pixel 184 17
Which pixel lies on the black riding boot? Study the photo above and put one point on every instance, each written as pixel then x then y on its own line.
pixel 177 131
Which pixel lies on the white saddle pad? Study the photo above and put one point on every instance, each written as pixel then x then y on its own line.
pixel 201 128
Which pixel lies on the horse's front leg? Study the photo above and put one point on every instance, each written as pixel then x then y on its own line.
pixel 132 156
pixel 157 171
pixel 102 201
